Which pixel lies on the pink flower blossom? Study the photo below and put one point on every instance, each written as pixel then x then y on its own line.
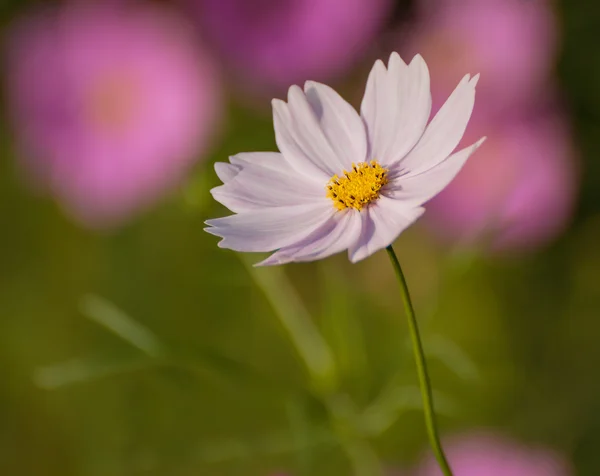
pixel 517 192
pixel 111 105
pixel 276 43
pixel 512 43
pixel 486 454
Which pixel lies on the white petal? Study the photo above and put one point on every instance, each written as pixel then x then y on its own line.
pixel 226 171
pixel 271 228
pixel 301 138
pixel 418 189
pixel 265 179
pixel 396 107
pixel 340 123
pixel 445 130
pixel 271 160
pixel 377 116
pixel 382 223
pixel 337 234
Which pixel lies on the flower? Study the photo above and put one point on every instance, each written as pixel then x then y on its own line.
pixel 487 454
pixel 344 180
pixel 274 43
pixel 111 105
pixel 518 193
pixel 512 43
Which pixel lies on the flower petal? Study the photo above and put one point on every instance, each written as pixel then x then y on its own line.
pixel 337 234
pixel 396 107
pixel 265 179
pixel 445 131
pixel 301 138
pixel 382 223
pixel 271 228
pixel 418 189
pixel 340 123
pixel 271 160
pixel 226 171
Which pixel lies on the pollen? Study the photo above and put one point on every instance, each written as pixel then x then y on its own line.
pixel 359 187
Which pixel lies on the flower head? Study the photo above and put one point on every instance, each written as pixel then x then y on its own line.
pixel 275 43
pixel 344 180
pixel 487 454
pixel 493 37
pixel 111 105
pixel 518 193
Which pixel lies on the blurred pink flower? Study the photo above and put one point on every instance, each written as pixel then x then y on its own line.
pixel 518 192
pixel 487 454
pixel 111 105
pixel 512 43
pixel 276 43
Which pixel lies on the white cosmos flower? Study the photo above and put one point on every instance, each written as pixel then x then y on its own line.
pixel 344 181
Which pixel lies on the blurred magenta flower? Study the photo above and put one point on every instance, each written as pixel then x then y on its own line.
pixel 512 43
pixel 111 105
pixel 517 192
pixel 486 454
pixel 276 43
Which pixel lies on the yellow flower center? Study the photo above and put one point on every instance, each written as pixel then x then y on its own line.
pixel 358 187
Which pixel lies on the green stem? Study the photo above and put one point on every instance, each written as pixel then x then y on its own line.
pixel 424 382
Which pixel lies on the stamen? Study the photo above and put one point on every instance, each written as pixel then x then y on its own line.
pixel 357 188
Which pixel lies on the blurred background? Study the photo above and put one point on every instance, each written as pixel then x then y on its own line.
pixel 131 345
